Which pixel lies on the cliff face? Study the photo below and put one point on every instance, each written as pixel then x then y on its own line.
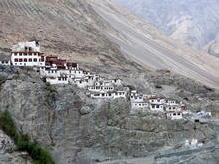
pixel 102 33
pixel 78 129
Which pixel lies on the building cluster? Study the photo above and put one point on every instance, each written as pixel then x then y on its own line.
pixel 172 108
pixel 59 71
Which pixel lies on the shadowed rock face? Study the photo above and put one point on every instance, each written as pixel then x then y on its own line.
pixel 78 129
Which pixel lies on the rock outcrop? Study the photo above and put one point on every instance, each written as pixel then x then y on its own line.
pixel 8 154
pixel 101 33
pixel 77 129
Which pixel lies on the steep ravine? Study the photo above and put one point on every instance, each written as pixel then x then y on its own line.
pixel 77 129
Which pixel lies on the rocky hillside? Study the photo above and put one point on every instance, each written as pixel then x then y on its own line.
pixel 213 48
pixel 67 28
pixel 193 22
pixel 77 129
pixel 102 33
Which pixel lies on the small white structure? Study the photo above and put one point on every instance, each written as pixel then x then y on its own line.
pixel 116 82
pixel 101 89
pixel 81 83
pixel 171 102
pixel 57 80
pixel 172 108
pixel 156 107
pixel 139 106
pixel 136 99
pixel 50 72
pixel 146 96
pixel 26 46
pixel 175 115
pixel 157 101
pixel 76 73
pixel 119 94
pixel 136 105
pixel 203 114
pixel 5 62
pixel 109 95
pixel 102 95
pixel 193 144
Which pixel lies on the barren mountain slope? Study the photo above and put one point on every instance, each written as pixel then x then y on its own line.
pixel 65 27
pixel 213 48
pixel 193 22
pixel 145 43
pixel 76 30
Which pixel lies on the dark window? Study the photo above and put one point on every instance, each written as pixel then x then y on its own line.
pixel 20 60
pixel 174 114
pixel 20 54
pixel 30 60
pixel 25 60
pixel 16 60
pixel 26 48
pixel 59 78
pixel 30 49
pixel 35 59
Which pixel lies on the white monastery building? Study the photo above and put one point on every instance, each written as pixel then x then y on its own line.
pixel 27 54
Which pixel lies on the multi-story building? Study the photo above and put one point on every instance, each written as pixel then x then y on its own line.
pixel 27 54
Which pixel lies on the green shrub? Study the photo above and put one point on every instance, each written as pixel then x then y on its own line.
pixel 7 125
pixel 37 153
